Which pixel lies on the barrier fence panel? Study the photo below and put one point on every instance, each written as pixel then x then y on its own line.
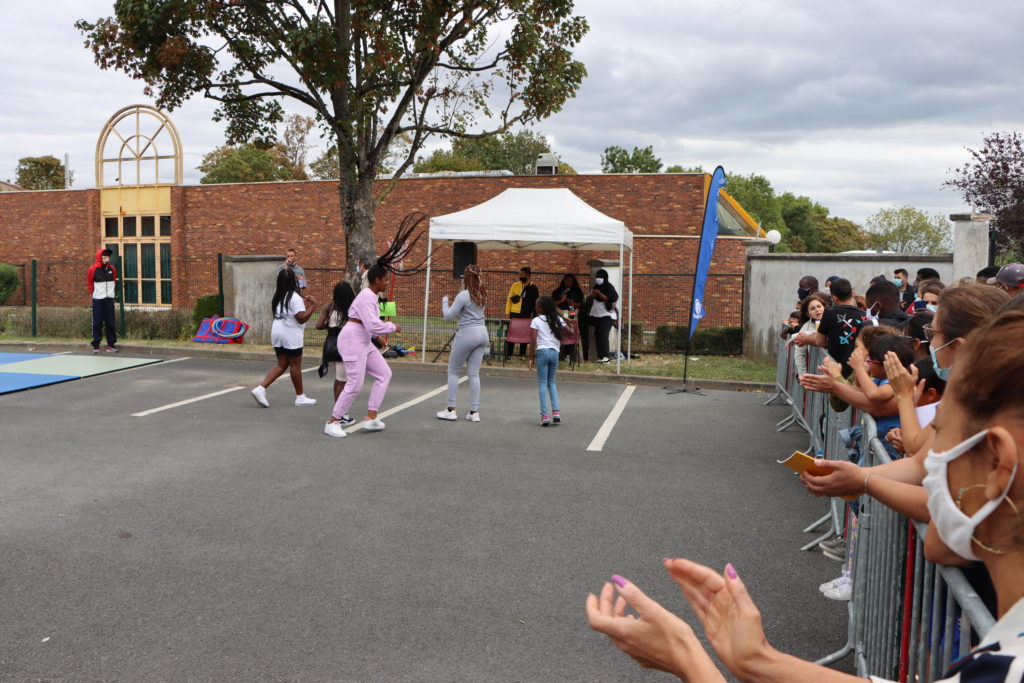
pixel 908 618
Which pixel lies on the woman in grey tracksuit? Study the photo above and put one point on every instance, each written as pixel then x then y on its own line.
pixel 471 342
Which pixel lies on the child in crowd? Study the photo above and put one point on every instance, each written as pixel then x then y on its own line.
pixel 291 311
pixel 547 340
pixel 918 393
pixel 916 333
pixel 790 325
pixel 811 310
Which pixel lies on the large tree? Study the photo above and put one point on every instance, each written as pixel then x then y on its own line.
pixel 615 159
pixel 907 230
pixel 516 152
pixel 368 69
pixel 993 182
pixel 246 163
pixel 41 173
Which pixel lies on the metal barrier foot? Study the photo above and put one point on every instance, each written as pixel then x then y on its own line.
pixel 817 525
pixel 814 544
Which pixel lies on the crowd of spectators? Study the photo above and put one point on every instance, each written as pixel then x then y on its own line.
pixel 940 369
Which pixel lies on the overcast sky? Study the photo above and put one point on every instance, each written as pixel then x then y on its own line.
pixel 859 105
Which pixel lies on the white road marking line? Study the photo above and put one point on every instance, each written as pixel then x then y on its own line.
pixel 62 353
pixel 609 423
pixel 186 402
pixel 311 369
pixel 407 404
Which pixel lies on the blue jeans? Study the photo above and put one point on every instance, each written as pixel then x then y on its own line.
pixel 547 366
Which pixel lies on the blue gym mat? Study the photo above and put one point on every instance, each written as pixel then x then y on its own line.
pixel 20 371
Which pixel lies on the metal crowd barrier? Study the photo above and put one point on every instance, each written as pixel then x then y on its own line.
pixel 908 618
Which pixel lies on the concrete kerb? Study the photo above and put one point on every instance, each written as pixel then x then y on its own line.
pixel 435 368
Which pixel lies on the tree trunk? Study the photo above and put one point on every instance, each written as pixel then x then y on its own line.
pixel 357 214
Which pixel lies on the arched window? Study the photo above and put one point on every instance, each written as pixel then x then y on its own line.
pixel 138 159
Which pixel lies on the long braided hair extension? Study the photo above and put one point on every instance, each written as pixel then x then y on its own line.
pixel 547 308
pixel 475 285
pixel 402 244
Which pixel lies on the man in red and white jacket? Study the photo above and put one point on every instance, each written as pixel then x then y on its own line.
pixel 102 283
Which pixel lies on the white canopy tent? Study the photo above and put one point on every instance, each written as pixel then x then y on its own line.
pixel 542 219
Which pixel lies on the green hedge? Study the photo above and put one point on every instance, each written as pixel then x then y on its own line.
pixel 76 323
pixel 206 307
pixel 717 341
pixel 8 281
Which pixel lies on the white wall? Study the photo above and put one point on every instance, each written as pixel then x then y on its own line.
pixel 772 280
pixel 249 283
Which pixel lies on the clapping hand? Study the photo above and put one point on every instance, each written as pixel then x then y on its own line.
pixel 900 379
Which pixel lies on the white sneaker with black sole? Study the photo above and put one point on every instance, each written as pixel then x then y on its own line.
pixel 260 395
pixel 335 429
pixel 447 415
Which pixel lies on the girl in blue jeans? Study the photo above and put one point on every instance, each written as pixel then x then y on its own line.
pixel 547 340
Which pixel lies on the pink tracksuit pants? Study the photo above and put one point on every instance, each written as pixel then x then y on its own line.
pixel 360 358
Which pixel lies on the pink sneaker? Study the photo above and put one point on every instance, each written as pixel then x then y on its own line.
pixel 545 421
pixel 556 417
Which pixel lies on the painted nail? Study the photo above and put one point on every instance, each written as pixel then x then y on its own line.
pixel 731 571
pixel 619 581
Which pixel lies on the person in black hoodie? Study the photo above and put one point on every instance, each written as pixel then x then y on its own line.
pixel 883 302
pixel 567 295
pixel 102 287
pixel 602 312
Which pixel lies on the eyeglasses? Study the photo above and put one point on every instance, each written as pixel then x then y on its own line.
pixel 873 362
pixel 929 333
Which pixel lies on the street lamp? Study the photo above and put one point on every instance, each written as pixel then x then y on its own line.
pixel 773 237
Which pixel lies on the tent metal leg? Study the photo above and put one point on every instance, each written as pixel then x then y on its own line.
pixel 426 298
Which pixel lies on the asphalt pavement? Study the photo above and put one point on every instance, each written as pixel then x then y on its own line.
pixel 221 541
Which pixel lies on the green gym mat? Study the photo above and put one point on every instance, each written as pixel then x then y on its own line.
pixel 77 366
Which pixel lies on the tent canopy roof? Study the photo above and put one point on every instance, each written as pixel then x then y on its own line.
pixel 521 218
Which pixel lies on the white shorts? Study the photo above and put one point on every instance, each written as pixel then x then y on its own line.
pixel 339 370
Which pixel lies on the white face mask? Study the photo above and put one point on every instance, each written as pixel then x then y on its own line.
pixel 955 528
pixel 871 315
pixel 599 280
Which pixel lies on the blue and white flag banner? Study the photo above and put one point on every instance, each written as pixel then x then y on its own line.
pixel 708 239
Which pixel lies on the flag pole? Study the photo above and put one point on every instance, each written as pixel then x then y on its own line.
pixel 700 273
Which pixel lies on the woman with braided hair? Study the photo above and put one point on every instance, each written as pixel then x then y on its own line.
pixel 470 344
pixel 355 341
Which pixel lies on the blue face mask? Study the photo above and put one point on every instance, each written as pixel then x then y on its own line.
pixel 940 372
pixel 934 308
pixel 898 282
pixel 802 294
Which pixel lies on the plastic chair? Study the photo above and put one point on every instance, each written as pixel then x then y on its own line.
pixel 571 338
pixel 519 332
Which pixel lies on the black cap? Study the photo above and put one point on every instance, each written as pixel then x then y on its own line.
pixel 106 252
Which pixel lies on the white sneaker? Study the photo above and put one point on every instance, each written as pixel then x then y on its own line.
pixel 447 415
pixel 304 400
pixel 335 429
pixel 374 425
pixel 473 417
pixel 260 394
pixel 842 591
pixel 831 584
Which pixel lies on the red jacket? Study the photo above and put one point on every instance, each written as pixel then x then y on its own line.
pixel 107 272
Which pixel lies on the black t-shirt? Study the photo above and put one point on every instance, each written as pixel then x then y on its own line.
pixel 841 325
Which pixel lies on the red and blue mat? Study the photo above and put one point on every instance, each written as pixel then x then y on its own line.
pixel 20 371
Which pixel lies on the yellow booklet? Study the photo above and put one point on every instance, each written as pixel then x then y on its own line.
pixel 801 462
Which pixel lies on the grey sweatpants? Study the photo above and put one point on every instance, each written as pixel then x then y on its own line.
pixel 468 349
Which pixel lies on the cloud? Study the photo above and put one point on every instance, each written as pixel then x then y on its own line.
pixel 857 105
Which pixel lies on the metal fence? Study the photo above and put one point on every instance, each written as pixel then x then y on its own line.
pixel 908 618
pixel 53 301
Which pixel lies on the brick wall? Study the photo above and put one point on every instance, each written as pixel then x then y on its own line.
pixel 267 218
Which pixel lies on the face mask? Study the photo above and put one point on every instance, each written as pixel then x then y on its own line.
pixel 934 308
pixel 802 294
pixel 898 282
pixel 599 280
pixel 941 373
pixel 955 528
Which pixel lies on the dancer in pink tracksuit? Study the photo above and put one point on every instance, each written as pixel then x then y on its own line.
pixel 364 323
